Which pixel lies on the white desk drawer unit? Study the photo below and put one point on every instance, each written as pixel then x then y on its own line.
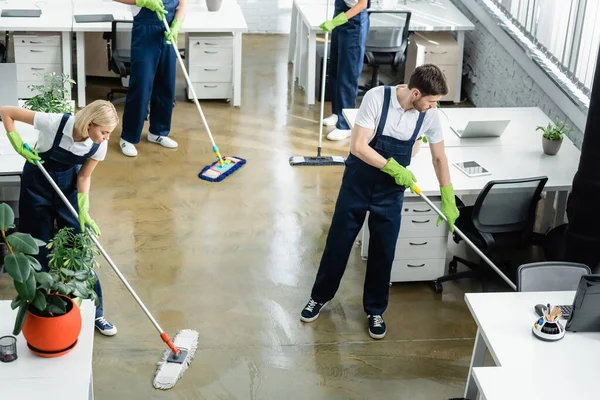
pixel 421 246
pixel 209 60
pixel 36 54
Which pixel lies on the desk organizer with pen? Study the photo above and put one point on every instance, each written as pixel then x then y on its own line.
pixel 547 327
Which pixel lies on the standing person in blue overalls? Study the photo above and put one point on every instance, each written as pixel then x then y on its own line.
pixel 348 41
pixel 375 178
pixel 70 148
pixel 152 72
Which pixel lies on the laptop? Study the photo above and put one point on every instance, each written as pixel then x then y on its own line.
pixel 480 129
pixel 88 18
pixel 14 13
pixel 8 81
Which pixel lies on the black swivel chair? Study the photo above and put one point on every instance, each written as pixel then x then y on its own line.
pixel 501 219
pixel 387 41
pixel 118 51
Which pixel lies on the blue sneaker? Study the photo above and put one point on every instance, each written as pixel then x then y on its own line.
pixel 105 327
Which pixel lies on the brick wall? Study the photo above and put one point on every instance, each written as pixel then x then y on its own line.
pixel 495 79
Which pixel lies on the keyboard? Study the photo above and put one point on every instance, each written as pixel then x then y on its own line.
pixel 34 13
pixel 566 311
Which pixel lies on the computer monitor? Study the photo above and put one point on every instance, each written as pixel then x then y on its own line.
pixel 480 129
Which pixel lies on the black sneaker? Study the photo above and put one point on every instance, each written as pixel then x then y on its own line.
pixel 376 326
pixel 311 311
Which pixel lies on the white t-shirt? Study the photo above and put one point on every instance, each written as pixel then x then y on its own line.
pixel 350 3
pixel 47 124
pixel 399 124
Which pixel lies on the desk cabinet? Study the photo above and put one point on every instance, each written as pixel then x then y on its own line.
pixel 421 246
pixel 209 61
pixel 36 54
pixel 438 48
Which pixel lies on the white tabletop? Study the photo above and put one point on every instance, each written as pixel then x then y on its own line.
pixel 56 16
pixel 198 19
pixel 506 319
pixel 32 377
pixel 532 381
pixel 427 15
pixel 521 130
pixel 12 163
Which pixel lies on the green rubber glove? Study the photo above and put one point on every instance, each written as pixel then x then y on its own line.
pixel 83 201
pixel 153 5
pixel 339 19
pixel 448 206
pixel 172 36
pixel 401 175
pixel 17 143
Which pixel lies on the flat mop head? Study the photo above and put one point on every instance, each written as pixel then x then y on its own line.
pixel 172 366
pixel 317 161
pixel 216 172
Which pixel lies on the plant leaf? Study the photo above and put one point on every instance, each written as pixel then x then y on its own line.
pixel 39 301
pixel 45 280
pixel 7 217
pixel 82 275
pixel 56 305
pixel 35 264
pixel 23 243
pixel 20 320
pixel 82 288
pixel 17 266
pixel 63 289
pixel 16 302
pixel 78 301
pixel 39 242
pixel 67 272
pixel 27 289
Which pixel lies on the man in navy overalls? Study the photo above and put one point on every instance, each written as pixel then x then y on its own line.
pixel 348 41
pixel 389 121
pixel 153 68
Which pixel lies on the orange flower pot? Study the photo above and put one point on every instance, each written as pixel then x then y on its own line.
pixel 53 336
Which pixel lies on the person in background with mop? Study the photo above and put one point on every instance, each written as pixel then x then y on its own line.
pixel 70 148
pixel 153 67
pixel 375 178
pixel 348 43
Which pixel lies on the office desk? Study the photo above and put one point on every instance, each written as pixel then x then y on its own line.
pixel 504 322
pixel 521 130
pixel 535 381
pixel 56 17
pixel 228 19
pixel 11 163
pixel 34 377
pixel 307 15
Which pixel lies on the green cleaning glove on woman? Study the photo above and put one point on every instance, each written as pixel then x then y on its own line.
pixel 401 175
pixel 83 201
pixel 153 5
pixel 339 19
pixel 17 143
pixel 448 206
pixel 174 31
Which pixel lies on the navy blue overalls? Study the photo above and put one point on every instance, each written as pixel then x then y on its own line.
pixel 366 188
pixel 152 77
pixel 40 205
pixel 348 43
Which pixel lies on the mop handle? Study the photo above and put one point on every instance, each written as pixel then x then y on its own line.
pixel 164 336
pixel 466 239
pixel 323 82
pixel 189 82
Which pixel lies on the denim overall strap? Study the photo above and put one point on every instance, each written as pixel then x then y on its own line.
pixel 93 150
pixel 384 113
pixel 57 137
pixel 418 126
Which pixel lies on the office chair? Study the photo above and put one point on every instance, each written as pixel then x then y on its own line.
pixel 118 52
pixel 550 276
pixel 387 41
pixel 502 218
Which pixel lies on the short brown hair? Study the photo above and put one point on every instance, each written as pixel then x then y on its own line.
pixel 429 79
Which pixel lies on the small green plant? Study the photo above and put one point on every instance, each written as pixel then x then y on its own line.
pixel 71 270
pixel 554 131
pixel 53 95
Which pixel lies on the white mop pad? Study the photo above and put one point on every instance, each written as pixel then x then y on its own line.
pixel 167 372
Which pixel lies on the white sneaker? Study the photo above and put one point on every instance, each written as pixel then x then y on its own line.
pixel 128 149
pixel 164 141
pixel 331 120
pixel 339 134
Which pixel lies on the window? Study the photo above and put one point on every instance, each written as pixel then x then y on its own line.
pixel 566 31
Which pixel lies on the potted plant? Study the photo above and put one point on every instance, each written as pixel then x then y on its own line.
pixel 214 5
pixel 48 302
pixel 552 137
pixel 53 95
